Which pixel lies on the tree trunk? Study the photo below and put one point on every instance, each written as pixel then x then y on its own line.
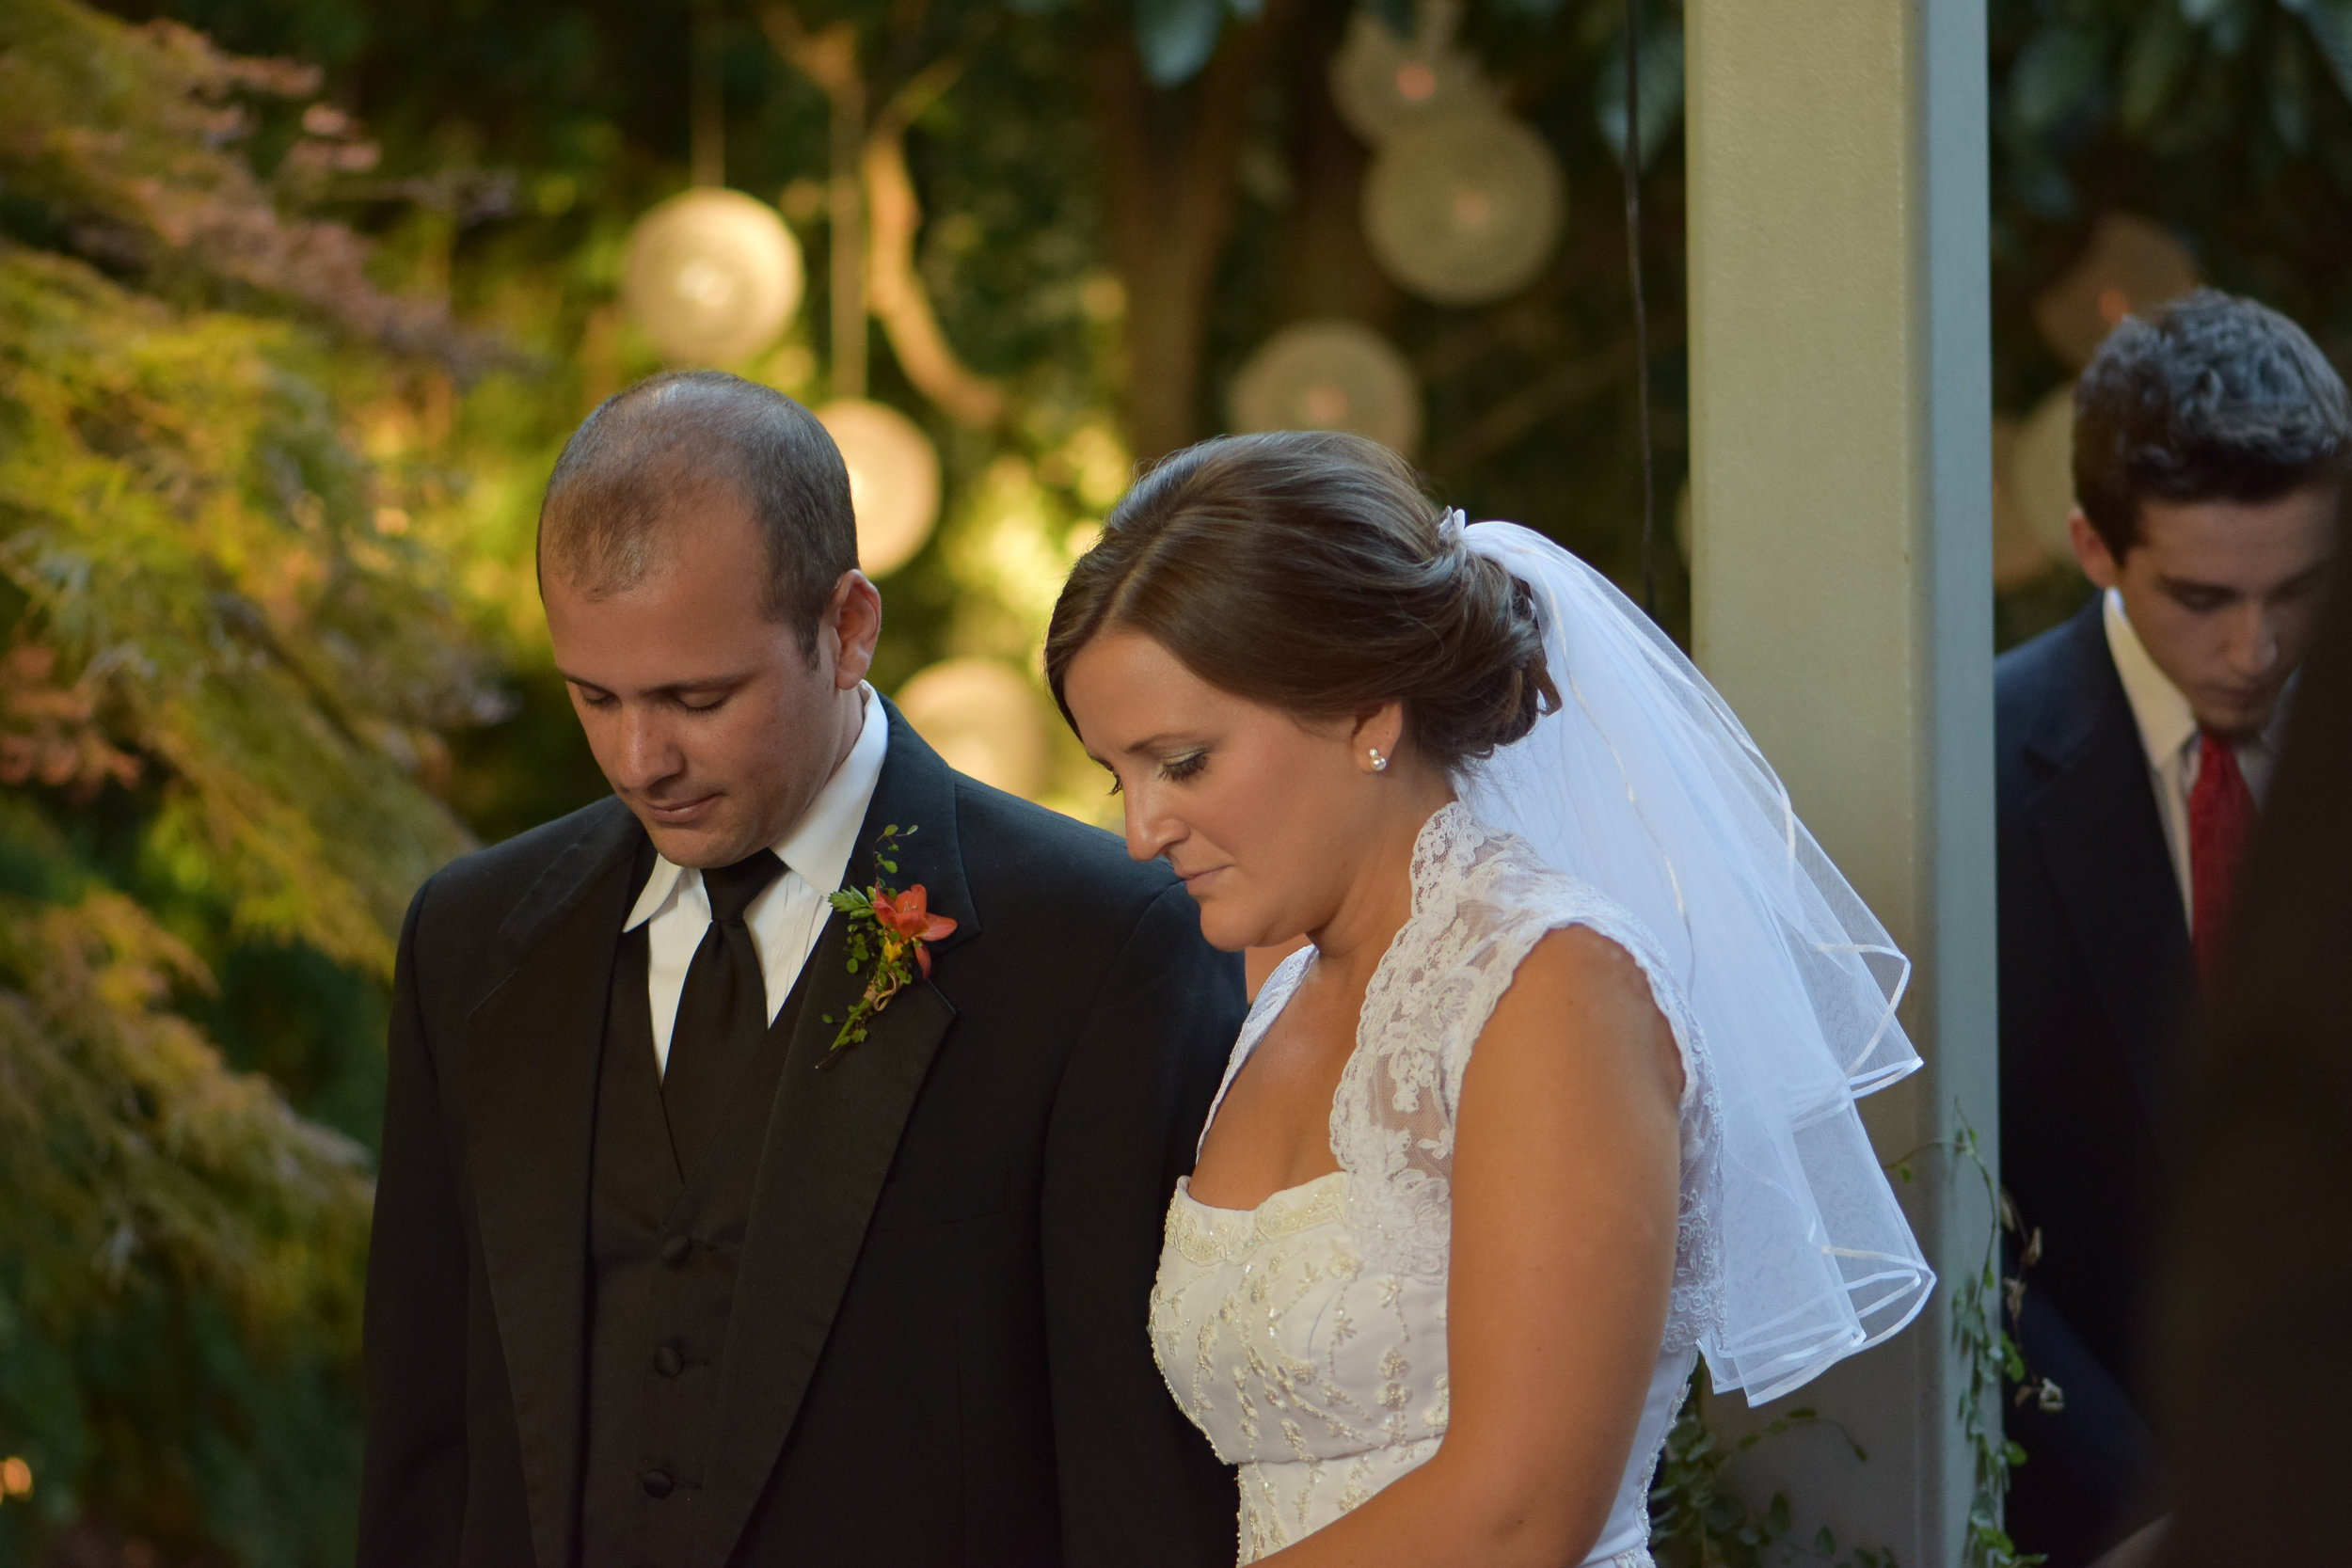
pixel 1169 159
pixel 1325 267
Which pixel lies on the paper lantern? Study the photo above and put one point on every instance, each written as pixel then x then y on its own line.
pixel 893 481
pixel 1381 83
pixel 1466 208
pixel 2041 472
pixel 2130 266
pixel 713 276
pixel 984 719
pixel 1329 374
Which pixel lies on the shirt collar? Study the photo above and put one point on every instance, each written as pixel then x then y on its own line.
pixel 2167 723
pixel 818 846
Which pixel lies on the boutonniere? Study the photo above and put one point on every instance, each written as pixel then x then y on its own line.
pixel 888 937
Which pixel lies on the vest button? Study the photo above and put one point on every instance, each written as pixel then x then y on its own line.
pixel 675 1248
pixel 668 1362
pixel 655 1482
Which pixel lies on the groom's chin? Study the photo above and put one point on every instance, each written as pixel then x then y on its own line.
pixel 699 845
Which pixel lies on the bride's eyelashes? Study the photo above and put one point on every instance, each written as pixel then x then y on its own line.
pixel 1175 769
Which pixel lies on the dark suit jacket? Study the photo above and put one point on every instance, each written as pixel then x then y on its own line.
pixel 938 1351
pixel 2096 982
pixel 2260 1261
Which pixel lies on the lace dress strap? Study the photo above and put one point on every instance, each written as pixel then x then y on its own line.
pixel 1481 903
pixel 1272 997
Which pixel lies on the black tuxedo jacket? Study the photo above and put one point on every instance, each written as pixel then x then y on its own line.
pixel 2096 985
pixel 938 1350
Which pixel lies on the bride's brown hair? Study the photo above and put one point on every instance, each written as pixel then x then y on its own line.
pixel 1307 571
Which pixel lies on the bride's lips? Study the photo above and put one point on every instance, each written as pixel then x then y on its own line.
pixel 1195 880
pixel 683 814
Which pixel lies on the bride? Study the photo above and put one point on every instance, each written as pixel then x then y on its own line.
pixel 1559 1095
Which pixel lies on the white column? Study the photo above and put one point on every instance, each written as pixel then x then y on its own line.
pixel 1840 403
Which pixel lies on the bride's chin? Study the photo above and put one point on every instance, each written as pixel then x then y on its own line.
pixel 1224 941
pixel 1225 935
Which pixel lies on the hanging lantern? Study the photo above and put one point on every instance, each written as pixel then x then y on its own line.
pixel 2130 266
pixel 713 276
pixel 893 481
pixel 984 719
pixel 1381 83
pixel 1329 374
pixel 2042 473
pixel 1464 210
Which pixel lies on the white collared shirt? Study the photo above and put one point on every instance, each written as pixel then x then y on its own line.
pixel 2168 735
pixel 788 915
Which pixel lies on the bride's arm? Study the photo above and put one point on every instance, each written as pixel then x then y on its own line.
pixel 1566 1174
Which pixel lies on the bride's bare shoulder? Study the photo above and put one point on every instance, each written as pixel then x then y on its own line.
pixel 1580 1004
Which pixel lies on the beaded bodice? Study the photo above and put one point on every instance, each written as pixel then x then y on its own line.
pixel 1307 1336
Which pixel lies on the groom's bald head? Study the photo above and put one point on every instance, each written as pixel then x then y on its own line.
pixel 653 456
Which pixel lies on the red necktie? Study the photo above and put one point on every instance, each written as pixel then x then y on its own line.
pixel 2220 817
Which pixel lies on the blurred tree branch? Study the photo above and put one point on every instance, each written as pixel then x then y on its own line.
pixel 895 289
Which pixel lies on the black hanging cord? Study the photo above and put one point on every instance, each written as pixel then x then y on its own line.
pixel 1641 307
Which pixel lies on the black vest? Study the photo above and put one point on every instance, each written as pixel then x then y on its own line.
pixel 664 1246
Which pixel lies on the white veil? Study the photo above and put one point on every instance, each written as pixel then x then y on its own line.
pixel 1645 785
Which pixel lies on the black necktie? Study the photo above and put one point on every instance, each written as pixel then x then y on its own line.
pixel 723 1012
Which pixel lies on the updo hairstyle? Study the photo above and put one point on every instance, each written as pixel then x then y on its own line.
pixel 1307 571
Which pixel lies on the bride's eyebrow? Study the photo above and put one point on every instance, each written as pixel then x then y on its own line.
pixel 1157 743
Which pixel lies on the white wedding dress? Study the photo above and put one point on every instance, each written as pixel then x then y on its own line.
pixel 1307 1336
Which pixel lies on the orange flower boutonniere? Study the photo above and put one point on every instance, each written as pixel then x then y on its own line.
pixel 888 933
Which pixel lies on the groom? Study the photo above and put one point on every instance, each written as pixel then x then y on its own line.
pixel 662 1279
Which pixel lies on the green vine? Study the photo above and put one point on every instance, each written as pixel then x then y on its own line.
pixel 1991 1356
pixel 1696 1520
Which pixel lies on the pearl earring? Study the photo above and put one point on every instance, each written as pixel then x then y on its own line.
pixel 1379 763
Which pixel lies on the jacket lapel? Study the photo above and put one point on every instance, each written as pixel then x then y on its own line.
pixel 529 1078
pixel 2094 818
pixel 832 1136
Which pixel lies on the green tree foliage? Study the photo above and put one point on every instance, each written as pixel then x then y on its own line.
pixel 220 688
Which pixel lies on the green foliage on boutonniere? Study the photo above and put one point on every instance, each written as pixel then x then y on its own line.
pixel 887 935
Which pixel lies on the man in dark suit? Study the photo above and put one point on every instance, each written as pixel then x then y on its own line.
pixel 2134 744
pixel 670 1269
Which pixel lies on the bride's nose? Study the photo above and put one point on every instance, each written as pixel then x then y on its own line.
pixel 1151 831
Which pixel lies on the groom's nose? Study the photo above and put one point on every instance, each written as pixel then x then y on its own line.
pixel 646 753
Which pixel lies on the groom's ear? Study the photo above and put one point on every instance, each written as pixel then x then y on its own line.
pixel 852 625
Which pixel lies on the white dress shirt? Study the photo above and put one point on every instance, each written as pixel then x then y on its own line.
pixel 790 912
pixel 2168 735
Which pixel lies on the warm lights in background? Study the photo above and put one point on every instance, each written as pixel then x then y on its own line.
pixel 1463 205
pixel 1381 83
pixel 16 1478
pixel 985 719
pixel 1329 374
pixel 1464 210
pixel 893 481
pixel 2129 265
pixel 713 276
